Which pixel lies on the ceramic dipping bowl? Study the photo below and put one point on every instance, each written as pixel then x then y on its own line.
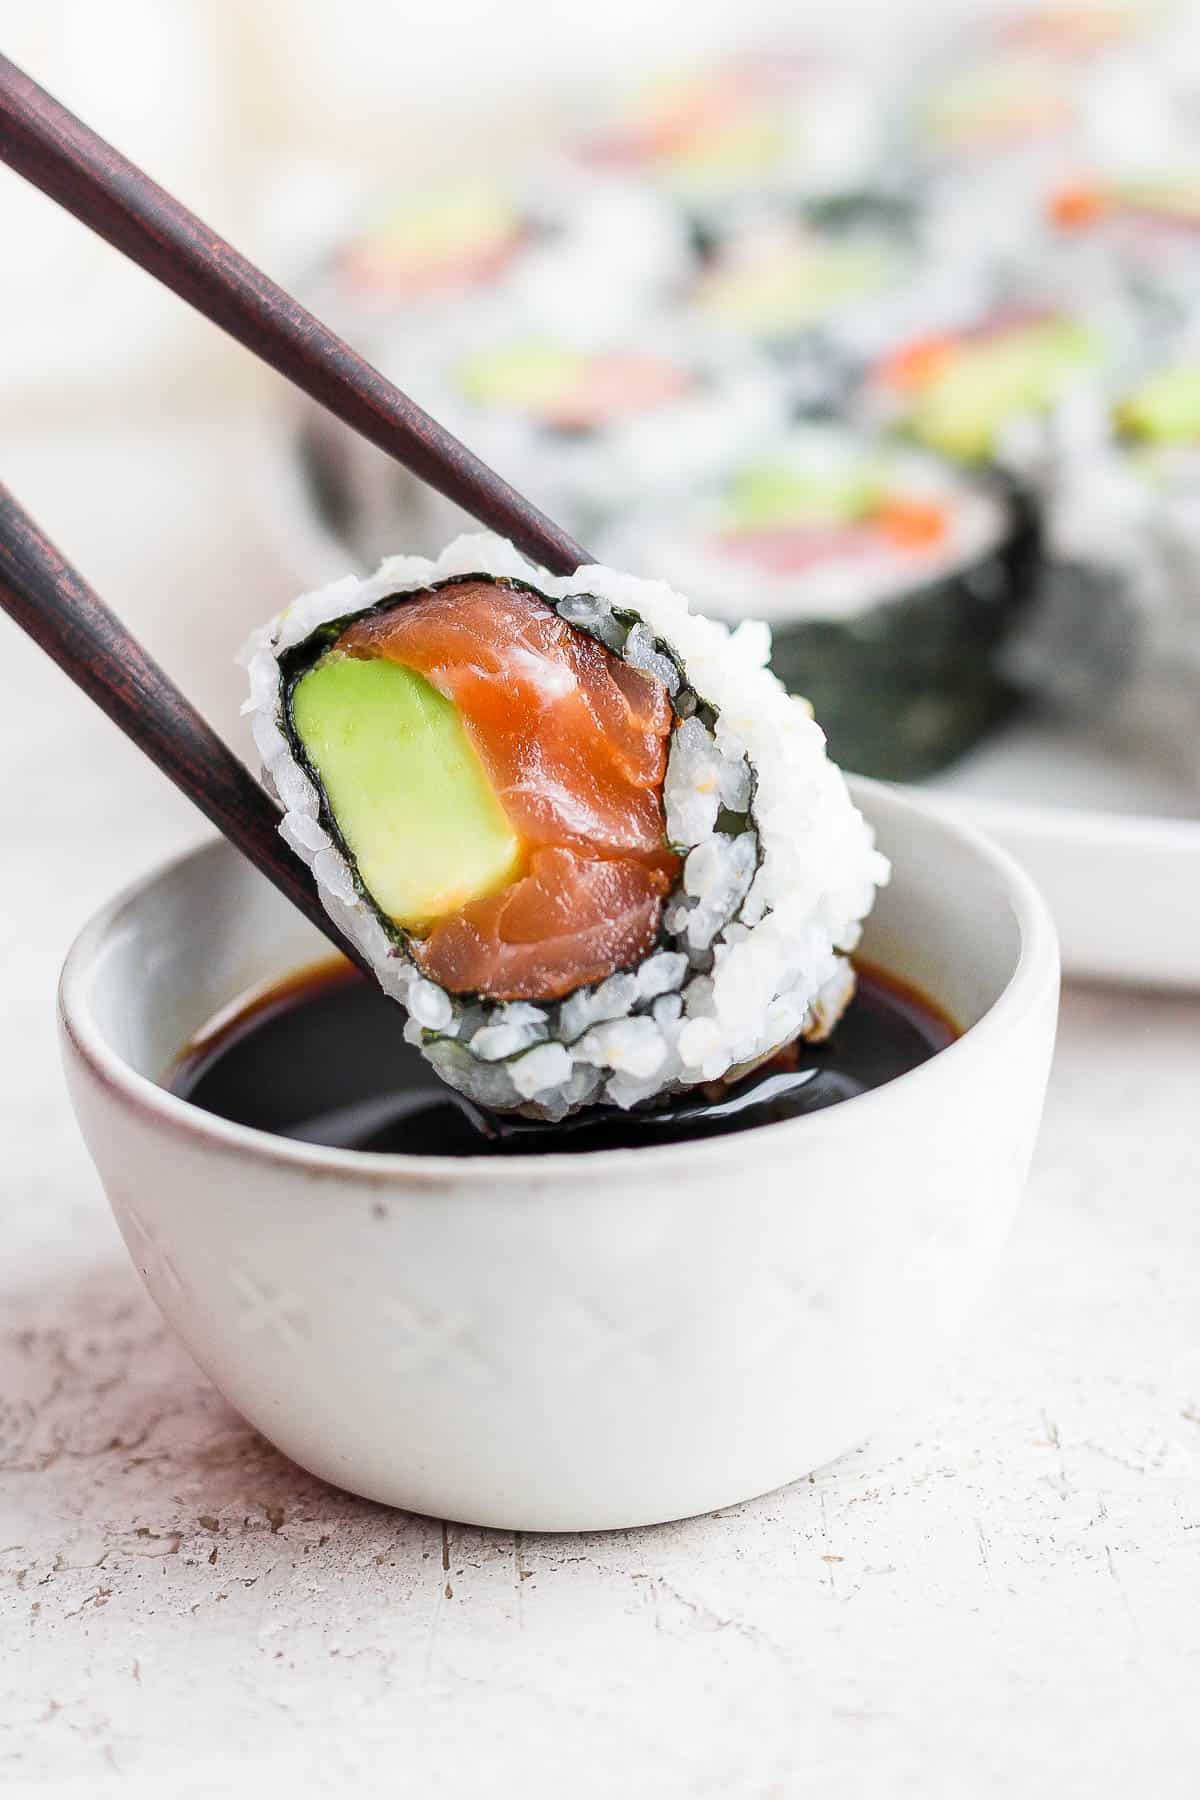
pixel 560 1343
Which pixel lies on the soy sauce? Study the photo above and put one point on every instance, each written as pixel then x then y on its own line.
pixel 321 1058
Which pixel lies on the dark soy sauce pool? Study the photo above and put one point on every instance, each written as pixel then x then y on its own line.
pixel 321 1058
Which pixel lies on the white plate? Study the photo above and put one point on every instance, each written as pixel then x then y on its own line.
pixel 1110 833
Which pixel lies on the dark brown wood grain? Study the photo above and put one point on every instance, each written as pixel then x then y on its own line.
pixel 52 602
pixel 48 145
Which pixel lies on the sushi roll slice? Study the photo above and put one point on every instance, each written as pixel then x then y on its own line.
pixel 1123 526
pixel 559 249
pixel 822 296
pixel 890 580
pixel 719 138
pixel 995 128
pixel 557 244
pixel 1022 392
pixel 1003 389
pixel 1135 233
pixel 587 422
pixel 580 832
pixel 1074 33
pixel 1157 434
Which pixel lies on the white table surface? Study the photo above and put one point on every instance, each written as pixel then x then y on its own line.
pixel 999 1596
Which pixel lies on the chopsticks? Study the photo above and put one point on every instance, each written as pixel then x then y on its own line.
pixel 54 150
pixel 52 602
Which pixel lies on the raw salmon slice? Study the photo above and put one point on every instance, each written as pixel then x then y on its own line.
pixel 575 744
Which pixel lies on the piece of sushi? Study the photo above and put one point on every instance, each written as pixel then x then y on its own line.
pixel 589 422
pixel 890 579
pixel 558 250
pixel 586 422
pixel 1009 388
pixel 822 296
pixel 1075 32
pixel 1123 530
pixel 720 138
pixel 556 244
pixel 580 832
pixel 1022 392
pixel 994 128
pixel 1134 232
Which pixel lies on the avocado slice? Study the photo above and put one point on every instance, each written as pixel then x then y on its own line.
pixel 993 380
pixel 406 786
pixel 792 287
pixel 525 377
pixel 1165 409
pixel 764 495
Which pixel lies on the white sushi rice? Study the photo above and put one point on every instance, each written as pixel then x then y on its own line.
pixel 779 866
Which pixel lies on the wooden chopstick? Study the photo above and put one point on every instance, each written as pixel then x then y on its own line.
pixel 52 602
pixel 50 147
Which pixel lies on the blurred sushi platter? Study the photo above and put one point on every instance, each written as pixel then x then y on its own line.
pixel 904 362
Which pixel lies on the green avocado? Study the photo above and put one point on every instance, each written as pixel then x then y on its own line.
pixel 406 787
pixel 522 377
pixel 993 380
pixel 765 495
pixel 793 287
pixel 1165 409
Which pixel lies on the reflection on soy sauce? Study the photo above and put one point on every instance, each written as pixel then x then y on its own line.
pixel 321 1059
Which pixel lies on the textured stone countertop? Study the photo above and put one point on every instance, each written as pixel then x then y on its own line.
pixel 1000 1595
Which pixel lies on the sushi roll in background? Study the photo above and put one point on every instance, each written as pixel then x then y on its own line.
pixel 1134 232
pixel 634 319
pixel 1023 391
pixel 726 136
pixel 559 245
pixel 1078 31
pixel 1010 388
pixel 993 131
pixel 1123 526
pixel 580 833
pixel 586 423
pixel 1156 428
pixel 890 580
pixel 822 298
pixel 559 249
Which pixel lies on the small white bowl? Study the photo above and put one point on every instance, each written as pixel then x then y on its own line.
pixel 566 1343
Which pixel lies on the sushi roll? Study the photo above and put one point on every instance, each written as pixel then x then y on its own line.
pixel 1005 388
pixel 890 580
pixel 1021 391
pixel 1070 32
pixel 822 295
pixel 1134 233
pixel 587 422
pixel 579 832
pixel 1156 428
pixel 995 128
pixel 720 138
pixel 554 243
pixel 558 248
pixel 1123 527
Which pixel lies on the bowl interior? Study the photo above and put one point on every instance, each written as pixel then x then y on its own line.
pixel 164 958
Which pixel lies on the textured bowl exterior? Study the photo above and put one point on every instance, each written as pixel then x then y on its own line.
pixel 603 1340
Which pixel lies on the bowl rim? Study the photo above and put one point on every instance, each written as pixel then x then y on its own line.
pixel 1035 974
